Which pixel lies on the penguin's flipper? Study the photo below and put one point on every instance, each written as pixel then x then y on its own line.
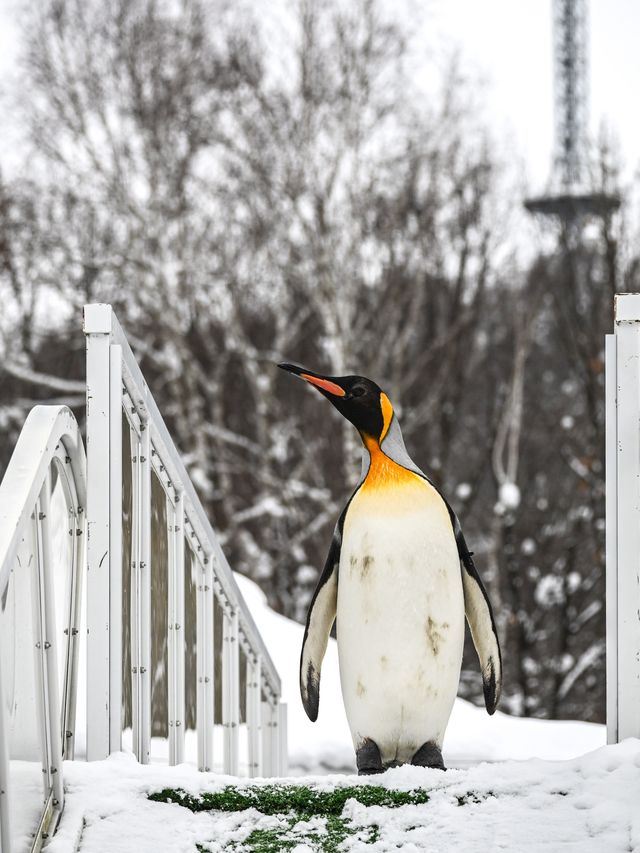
pixel 320 619
pixel 479 615
pixel 483 631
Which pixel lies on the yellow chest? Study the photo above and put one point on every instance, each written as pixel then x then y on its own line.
pixel 391 490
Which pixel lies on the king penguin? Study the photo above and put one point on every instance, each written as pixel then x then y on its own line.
pixel 398 581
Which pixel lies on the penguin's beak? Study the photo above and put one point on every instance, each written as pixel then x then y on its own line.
pixel 323 383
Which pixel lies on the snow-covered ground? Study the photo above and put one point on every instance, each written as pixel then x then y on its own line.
pixel 585 805
pixel 508 799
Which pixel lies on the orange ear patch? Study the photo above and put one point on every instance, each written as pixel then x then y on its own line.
pixel 325 384
pixel 387 415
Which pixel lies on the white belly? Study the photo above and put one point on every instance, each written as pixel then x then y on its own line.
pixel 400 620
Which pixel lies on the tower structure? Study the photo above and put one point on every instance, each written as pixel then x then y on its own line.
pixel 569 197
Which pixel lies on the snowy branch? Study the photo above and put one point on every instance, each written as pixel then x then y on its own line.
pixel 586 660
pixel 55 383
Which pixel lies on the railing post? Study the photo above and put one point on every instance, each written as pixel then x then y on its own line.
pixel 141 594
pixel 205 664
pixel 611 588
pixel 274 737
pixel 176 651
pixel 254 721
pixel 49 644
pixel 134 606
pixel 265 725
pixel 283 750
pixel 623 523
pixel 145 596
pixel 270 741
pixel 230 689
pixel 115 548
pixel 70 685
pixel 104 536
pixel 5 802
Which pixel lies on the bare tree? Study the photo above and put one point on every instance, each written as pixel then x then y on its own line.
pixel 236 216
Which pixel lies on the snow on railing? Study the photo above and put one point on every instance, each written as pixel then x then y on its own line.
pixel 153 556
pixel 623 520
pixel 41 564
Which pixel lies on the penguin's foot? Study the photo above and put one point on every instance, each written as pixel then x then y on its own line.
pixel 368 759
pixel 429 755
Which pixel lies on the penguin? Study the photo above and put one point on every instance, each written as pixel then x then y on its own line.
pixel 398 581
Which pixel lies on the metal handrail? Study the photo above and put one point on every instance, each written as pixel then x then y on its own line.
pixel 116 387
pixel 148 412
pixel 50 437
pixel 50 445
pixel 49 432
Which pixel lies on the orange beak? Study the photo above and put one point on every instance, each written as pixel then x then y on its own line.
pixel 325 384
pixel 313 379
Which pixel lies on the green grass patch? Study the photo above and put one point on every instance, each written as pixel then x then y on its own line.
pixel 287 838
pixel 291 804
pixel 294 803
pixel 284 799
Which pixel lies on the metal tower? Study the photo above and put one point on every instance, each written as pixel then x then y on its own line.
pixel 569 197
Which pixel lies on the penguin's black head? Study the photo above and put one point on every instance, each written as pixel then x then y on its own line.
pixel 357 398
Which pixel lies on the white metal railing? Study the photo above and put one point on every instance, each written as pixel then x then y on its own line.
pixel 39 622
pixel 623 520
pixel 135 472
pixel 157 580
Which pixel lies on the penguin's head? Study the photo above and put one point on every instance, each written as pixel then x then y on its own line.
pixel 357 398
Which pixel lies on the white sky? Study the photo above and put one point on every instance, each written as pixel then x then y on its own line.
pixel 509 41
pixel 508 44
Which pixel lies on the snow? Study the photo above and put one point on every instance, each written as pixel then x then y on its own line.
pixel 26 797
pixel 463 491
pixel 267 505
pixel 528 546
pixel 586 660
pixel 534 788
pixel 549 591
pixel 586 805
pixel 574 579
pixel 509 495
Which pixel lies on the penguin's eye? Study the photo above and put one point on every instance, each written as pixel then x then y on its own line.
pixel 358 391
